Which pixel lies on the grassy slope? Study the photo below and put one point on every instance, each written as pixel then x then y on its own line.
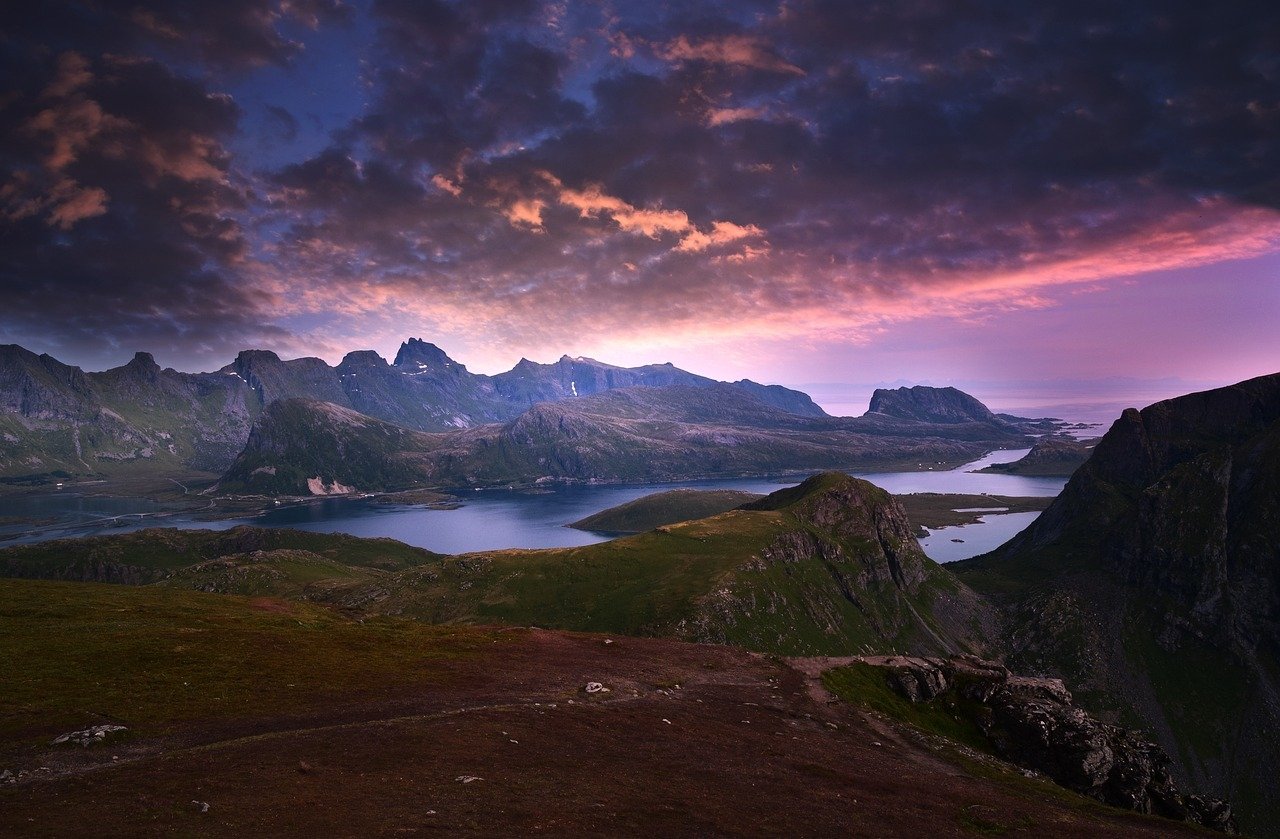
pixel 704 580
pixel 289 720
pixel 152 658
pixel 661 508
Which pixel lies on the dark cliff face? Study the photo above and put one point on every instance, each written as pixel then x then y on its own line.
pixel 1035 723
pixel 1155 578
pixel 931 404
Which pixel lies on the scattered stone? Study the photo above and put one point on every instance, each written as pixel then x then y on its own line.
pixel 667 721
pixel 608 641
pixel 200 806
pixel 7 777
pixel 87 737
pixel 466 779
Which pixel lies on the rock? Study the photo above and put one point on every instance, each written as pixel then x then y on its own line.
pixel 304 767
pixel 7 777
pixel 1035 723
pixel 466 779
pixel 87 737
pixel 593 687
pixel 200 806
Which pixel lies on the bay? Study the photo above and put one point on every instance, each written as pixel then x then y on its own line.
pixel 497 519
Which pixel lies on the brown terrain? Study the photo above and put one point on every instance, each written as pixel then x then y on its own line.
pixel 686 740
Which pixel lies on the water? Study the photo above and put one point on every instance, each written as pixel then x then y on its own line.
pixel 988 534
pixel 496 519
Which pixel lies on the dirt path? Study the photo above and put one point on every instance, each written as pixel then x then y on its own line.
pixel 688 740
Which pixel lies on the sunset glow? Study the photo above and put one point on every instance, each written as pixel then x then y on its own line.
pixel 801 192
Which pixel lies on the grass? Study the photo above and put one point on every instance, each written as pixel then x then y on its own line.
pixel 663 508
pixel 946 716
pixel 82 654
pixel 767 579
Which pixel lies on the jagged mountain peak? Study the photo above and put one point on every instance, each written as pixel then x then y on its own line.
pixel 416 352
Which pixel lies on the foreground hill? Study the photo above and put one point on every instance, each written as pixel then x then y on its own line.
pixel 644 434
pixel 270 717
pixel 1152 583
pixel 828 567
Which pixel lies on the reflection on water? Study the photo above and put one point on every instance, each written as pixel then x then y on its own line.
pixel 495 519
pixel 990 533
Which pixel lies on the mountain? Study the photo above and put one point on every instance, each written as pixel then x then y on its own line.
pixel 930 404
pixel 1152 584
pixel 55 418
pixel 640 434
pixel 530 383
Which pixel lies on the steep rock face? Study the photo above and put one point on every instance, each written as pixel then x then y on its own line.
pixel 299 445
pixel 1153 583
pixel 39 387
pixel 1035 723
pixel 931 404
pixel 851 569
pixel 58 418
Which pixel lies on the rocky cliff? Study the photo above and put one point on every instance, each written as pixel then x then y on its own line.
pixel 1152 584
pixel 1035 723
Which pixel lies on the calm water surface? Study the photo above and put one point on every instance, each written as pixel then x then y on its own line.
pixel 494 519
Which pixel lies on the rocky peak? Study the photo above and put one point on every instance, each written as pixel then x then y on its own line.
pixel 143 365
pixel 362 358
pixel 945 405
pixel 856 511
pixel 249 359
pixel 416 351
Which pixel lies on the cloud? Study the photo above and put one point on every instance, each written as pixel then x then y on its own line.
pixel 742 50
pixel 818 167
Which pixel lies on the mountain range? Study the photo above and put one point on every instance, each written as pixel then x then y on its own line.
pixel 276 426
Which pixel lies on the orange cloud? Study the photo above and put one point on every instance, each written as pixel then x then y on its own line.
pixel 527 212
pixel 740 50
pixel 722 232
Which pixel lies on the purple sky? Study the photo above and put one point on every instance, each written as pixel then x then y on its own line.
pixel 1041 201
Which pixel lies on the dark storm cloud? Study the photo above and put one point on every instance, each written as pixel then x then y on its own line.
pixel 121 214
pixel 539 172
pixel 644 165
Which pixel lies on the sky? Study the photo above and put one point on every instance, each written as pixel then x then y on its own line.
pixel 1039 201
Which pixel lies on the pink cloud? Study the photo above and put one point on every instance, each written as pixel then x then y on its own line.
pixel 722 232
pixel 740 50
